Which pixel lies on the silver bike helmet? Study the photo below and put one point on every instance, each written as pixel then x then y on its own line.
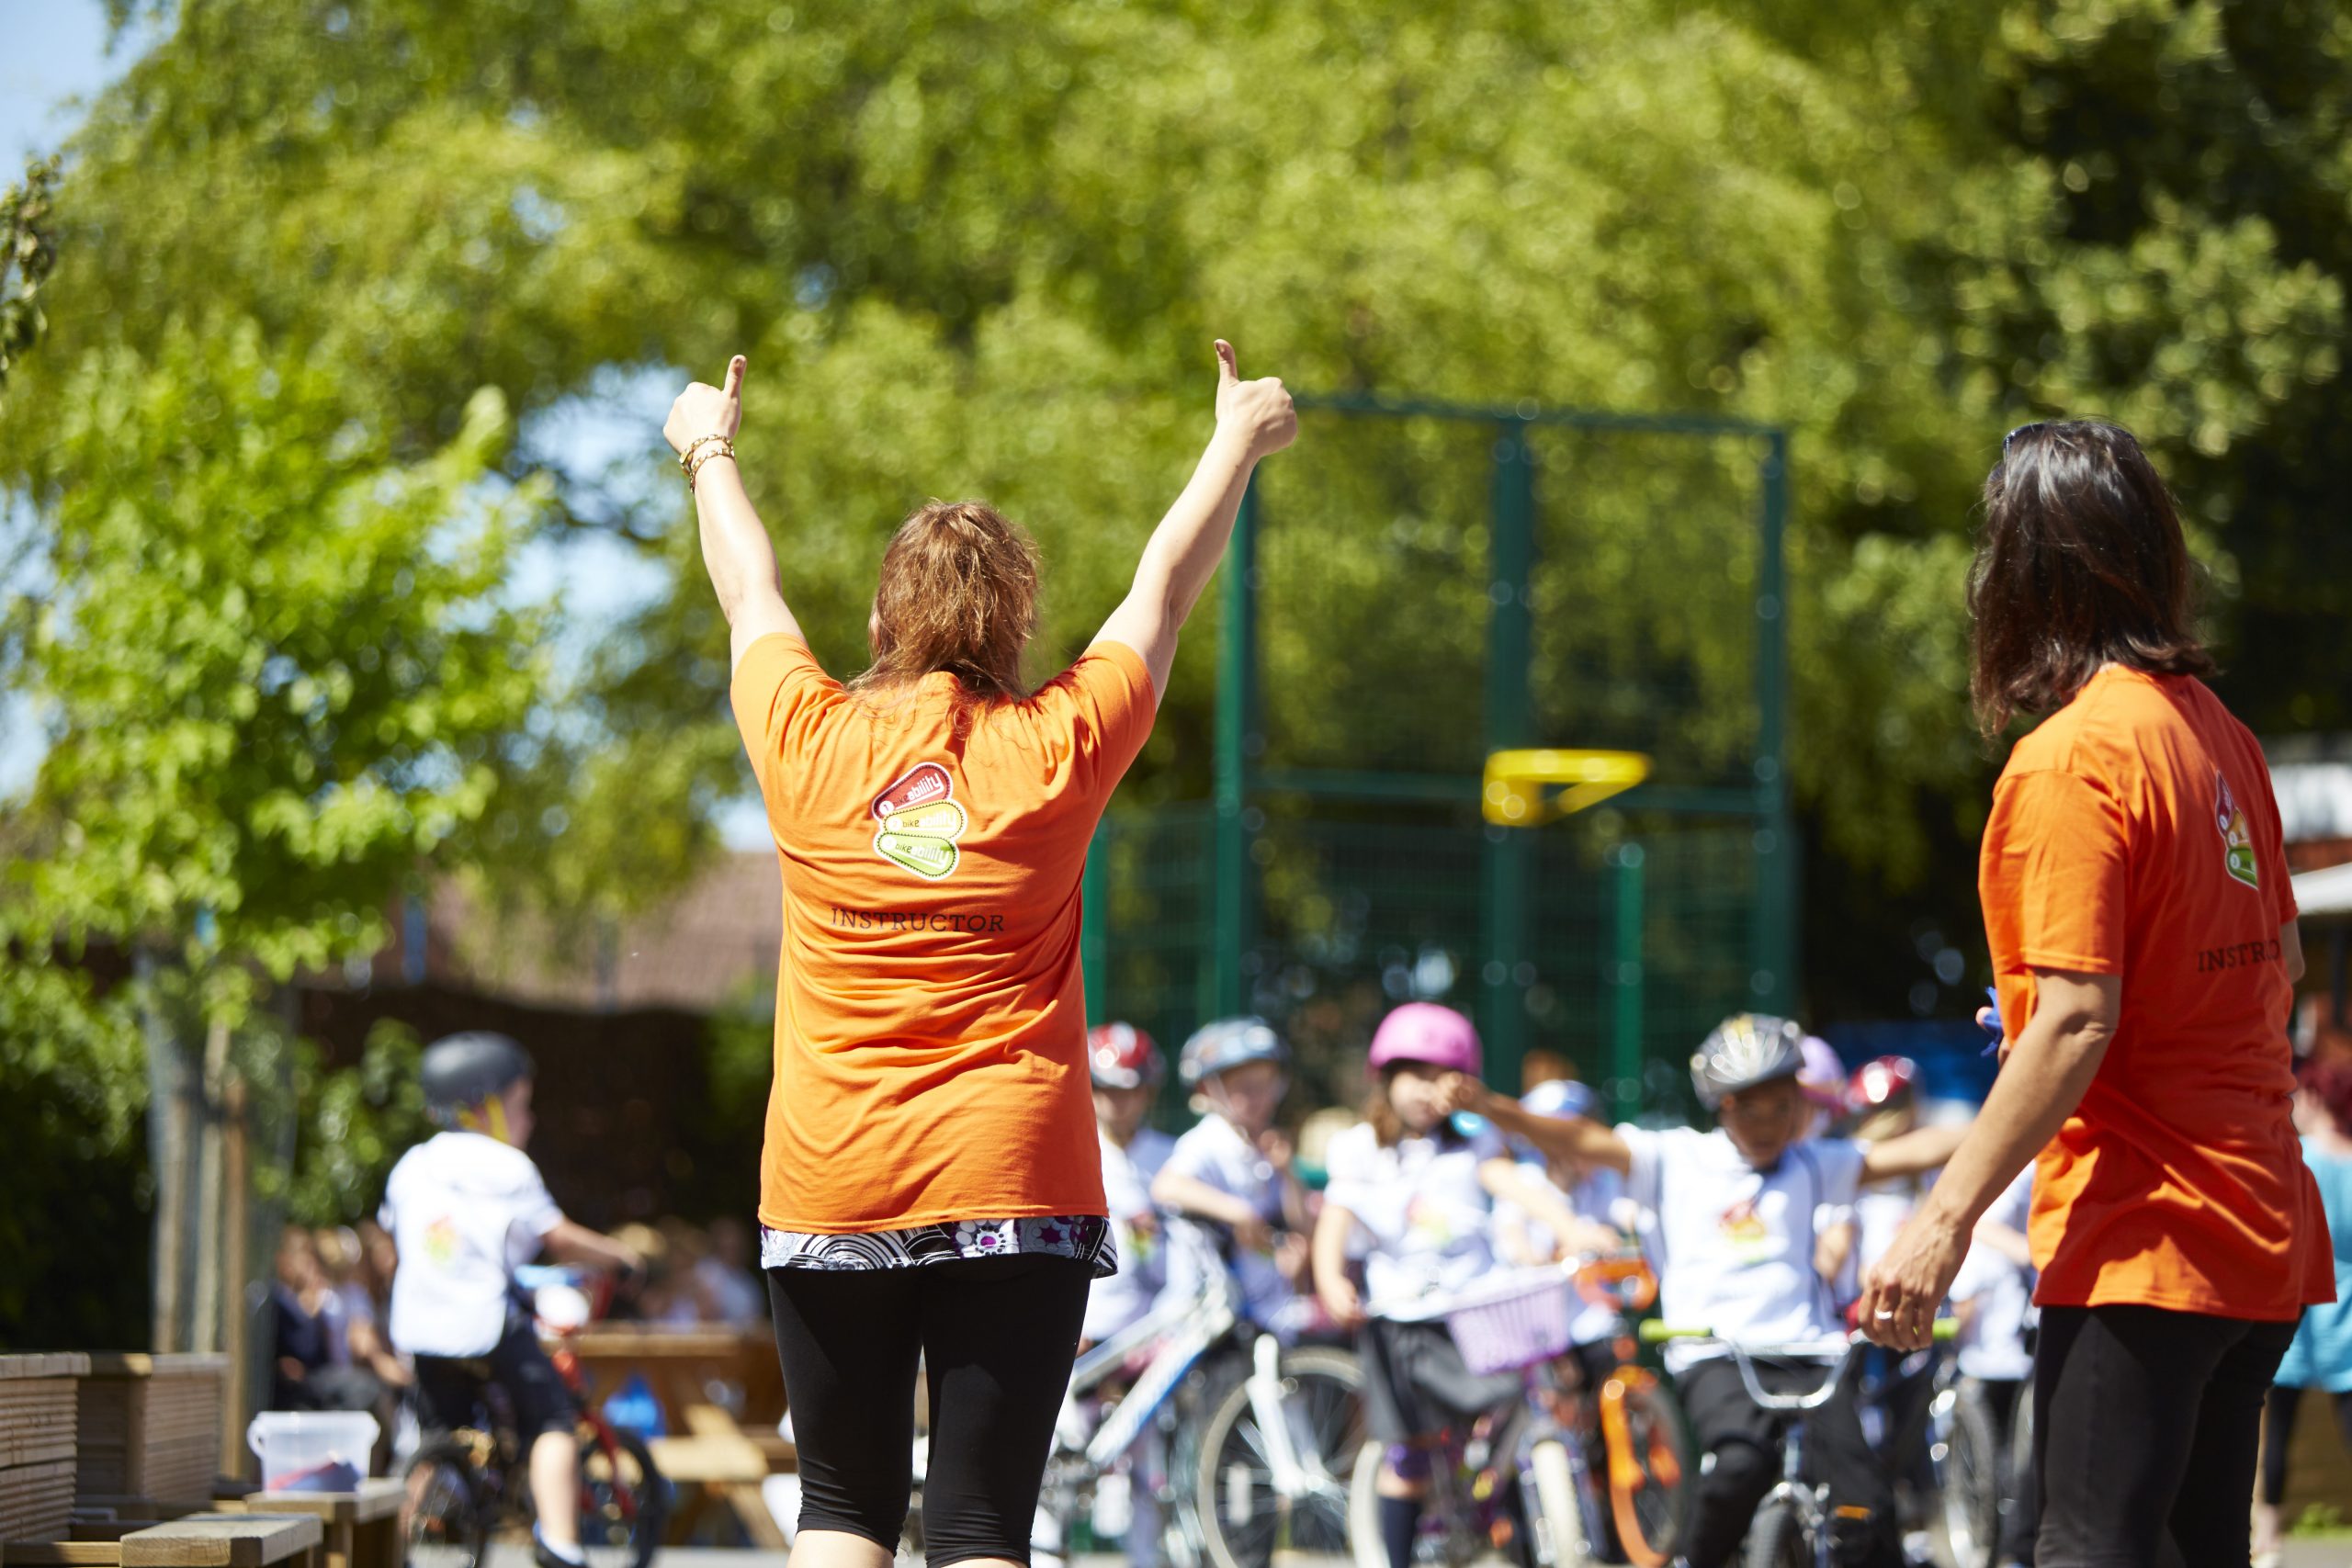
pixel 1745 1050
pixel 1228 1044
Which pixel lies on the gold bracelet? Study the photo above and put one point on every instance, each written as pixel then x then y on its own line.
pixel 726 449
pixel 686 458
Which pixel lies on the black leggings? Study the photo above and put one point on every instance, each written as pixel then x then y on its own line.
pixel 996 1336
pixel 2144 1424
pixel 2279 1431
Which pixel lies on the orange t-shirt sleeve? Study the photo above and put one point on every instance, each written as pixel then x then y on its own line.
pixel 2057 874
pixel 2271 843
pixel 1111 705
pixel 779 694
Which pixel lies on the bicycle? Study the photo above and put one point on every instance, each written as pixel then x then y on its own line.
pixel 1257 1434
pixel 1791 1529
pixel 463 1484
pixel 1540 1445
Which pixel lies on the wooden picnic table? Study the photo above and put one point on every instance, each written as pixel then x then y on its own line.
pixel 709 1453
pixel 682 1364
pixel 362 1527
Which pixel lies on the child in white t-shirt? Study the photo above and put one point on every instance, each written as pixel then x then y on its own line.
pixel 466 1209
pixel 1127 1069
pixel 1420 1191
pixel 1230 1174
pixel 1734 1247
pixel 1593 1194
pixel 1993 1297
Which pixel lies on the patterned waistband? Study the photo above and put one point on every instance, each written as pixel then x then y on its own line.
pixel 1086 1238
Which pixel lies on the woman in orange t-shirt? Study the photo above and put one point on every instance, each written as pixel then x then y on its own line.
pixel 2144 944
pixel 931 1185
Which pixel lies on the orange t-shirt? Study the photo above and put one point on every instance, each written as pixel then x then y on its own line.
pixel 2135 834
pixel 931 1013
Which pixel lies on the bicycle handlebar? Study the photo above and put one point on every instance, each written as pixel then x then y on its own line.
pixel 1840 1351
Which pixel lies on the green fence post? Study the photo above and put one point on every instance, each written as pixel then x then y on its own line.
pixel 1626 1047
pixel 1505 971
pixel 1237 731
pixel 1774 945
pixel 1093 932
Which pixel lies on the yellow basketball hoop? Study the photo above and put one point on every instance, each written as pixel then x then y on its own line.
pixel 1515 794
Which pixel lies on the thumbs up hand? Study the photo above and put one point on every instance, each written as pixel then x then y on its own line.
pixel 1259 412
pixel 703 410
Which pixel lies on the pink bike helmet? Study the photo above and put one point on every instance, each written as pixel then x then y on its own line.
pixel 1429 1034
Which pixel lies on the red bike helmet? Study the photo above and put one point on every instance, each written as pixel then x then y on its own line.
pixel 1878 1084
pixel 1120 1056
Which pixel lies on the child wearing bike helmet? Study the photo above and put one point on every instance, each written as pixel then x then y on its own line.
pixel 1127 1069
pixel 1419 1191
pixel 466 1209
pixel 1232 1172
pixel 1734 1250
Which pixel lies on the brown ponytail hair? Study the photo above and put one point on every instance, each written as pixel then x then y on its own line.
pixel 958 594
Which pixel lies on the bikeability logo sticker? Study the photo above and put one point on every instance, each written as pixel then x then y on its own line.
pixel 2237 838
pixel 919 821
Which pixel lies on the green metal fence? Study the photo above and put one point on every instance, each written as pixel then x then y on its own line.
pixel 1417 586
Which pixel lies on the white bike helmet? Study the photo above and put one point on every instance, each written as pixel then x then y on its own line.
pixel 1745 1050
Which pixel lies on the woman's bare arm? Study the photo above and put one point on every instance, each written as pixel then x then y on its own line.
pixel 1254 419
pixel 736 549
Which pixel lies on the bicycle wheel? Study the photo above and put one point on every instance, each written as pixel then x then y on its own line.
pixel 1965 1447
pixel 1242 1517
pixel 1647 1460
pixel 443 1523
pixel 1559 1520
pixel 624 1501
pixel 1776 1539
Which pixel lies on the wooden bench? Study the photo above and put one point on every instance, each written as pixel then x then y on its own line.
pixel 714 1456
pixel 200 1540
pixel 226 1540
pixel 362 1527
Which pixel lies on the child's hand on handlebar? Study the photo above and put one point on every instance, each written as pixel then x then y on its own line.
pixel 1340 1300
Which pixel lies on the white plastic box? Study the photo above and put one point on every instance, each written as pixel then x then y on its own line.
pixel 312 1450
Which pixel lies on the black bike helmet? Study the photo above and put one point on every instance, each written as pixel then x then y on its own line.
pixel 460 1071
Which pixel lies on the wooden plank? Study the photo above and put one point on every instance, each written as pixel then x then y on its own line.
pixel 139 1364
pixel 49 1364
pixel 378 1499
pixel 63 1553
pixel 707 1460
pixel 222 1540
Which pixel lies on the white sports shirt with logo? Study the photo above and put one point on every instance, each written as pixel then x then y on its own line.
pixel 465 1211
pixel 1127 1173
pixel 1733 1246
pixel 1428 1216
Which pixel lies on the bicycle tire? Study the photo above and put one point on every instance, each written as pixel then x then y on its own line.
pixel 1775 1538
pixel 614 1532
pixel 1225 1443
pixel 1559 1518
pixel 1970 1473
pixel 1646 1496
pixel 1365 1548
pixel 443 1523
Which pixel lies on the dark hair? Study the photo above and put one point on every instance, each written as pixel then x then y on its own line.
pixel 958 594
pixel 2330 1082
pixel 2082 565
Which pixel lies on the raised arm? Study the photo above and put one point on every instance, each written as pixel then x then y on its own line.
pixel 735 546
pixel 1571 1137
pixel 1253 419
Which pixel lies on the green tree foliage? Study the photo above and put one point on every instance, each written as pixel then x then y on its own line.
pixel 272 664
pixel 27 255
pixel 978 247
